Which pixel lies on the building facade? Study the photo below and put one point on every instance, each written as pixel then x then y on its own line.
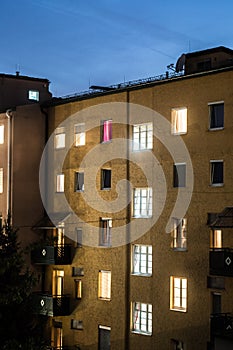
pixel 146 265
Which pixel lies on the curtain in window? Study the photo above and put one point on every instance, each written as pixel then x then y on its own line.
pixel 107 130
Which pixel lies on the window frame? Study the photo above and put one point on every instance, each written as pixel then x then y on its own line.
pixel 148 144
pixel 211 105
pixel 178 292
pixel 1 180
pixel 176 176
pixel 176 121
pixel 105 236
pixel 103 178
pixel 34 95
pixel 60 183
pixel 79 177
pixel 179 234
pixel 137 318
pixel 2 132
pixel 143 257
pixel 79 135
pixel 148 203
pixel 212 162
pixel 106 130
pixel 59 138
pixel 104 285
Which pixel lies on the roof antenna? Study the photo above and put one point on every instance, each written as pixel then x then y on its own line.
pixel 17 66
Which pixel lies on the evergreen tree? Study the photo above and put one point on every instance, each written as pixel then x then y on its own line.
pixel 20 328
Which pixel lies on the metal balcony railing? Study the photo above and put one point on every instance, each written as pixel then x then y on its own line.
pixel 221 261
pixel 221 325
pixel 48 305
pixel 52 255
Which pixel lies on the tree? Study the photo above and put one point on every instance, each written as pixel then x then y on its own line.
pixel 20 328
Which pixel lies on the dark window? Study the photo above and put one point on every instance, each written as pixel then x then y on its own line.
pixel 216 303
pixel 104 338
pixel 179 175
pixel 105 232
pixel 176 345
pixel 79 237
pixel 216 112
pixel 204 65
pixel 216 173
pixel 79 181
pixel 106 178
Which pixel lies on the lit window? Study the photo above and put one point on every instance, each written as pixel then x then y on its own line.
pixel 77 324
pixel 105 179
pixel 216 115
pixel 142 259
pixel 60 138
pixel 142 318
pixel 78 289
pixel 216 239
pixel 142 206
pixel 178 294
pixel 142 136
pixel 179 241
pixel 216 172
pixel 1 134
pixel 179 121
pixel 105 232
pixel 177 344
pixel 104 286
pixel 179 175
pixel 79 182
pixel 1 180
pixel 33 95
pixel 106 131
pixel 79 134
pixel 60 183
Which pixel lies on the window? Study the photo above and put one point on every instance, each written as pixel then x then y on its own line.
pixel 79 182
pixel 179 241
pixel 142 205
pixel 57 335
pixel 79 134
pixel 142 318
pixel 60 138
pixel 79 236
pixel 105 232
pixel 104 338
pixel 216 239
pixel 177 345
pixel 1 180
pixel 216 172
pixel 142 259
pixel 142 136
pixel 106 179
pixel 106 131
pixel 1 134
pixel 204 65
pixel 179 175
pixel 104 285
pixel 76 324
pixel 33 95
pixel 78 289
pixel 178 294
pixel 58 282
pixel 216 115
pixel 179 121
pixel 60 183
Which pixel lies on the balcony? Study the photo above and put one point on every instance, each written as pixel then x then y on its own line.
pixel 52 255
pixel 221 261
pixel 48 305
pixel 221 325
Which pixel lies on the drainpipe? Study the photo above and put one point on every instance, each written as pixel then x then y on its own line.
pixel 9 116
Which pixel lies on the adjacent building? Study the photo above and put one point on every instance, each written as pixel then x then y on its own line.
pixel 140 266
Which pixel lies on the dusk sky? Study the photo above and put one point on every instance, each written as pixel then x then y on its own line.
pixel 74 43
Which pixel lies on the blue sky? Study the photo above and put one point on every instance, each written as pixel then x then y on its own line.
pixel 74 43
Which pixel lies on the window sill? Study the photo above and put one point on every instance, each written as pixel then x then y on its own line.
pixel 106 189
pixel 142 217
pixel 179 133
pixel 180 249
pixel 141 333
pixel 217 185
pixel 142 274
pixel 179 310
pixel 217 129
pixel 78 191
pixel 104 299
pixel 104 142
pixel 142 150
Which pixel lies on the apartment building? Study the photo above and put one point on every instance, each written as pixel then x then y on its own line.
pixel 146 265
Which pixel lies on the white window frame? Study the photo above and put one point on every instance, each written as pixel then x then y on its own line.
pixel 179 234
pixel 142 202
pixel 216 239
pixel 77 180
pixel 178 293
pixel 104 285
pixel 105 239
pixel 142 260
pixel 59 138
pixel 142 136
pixel 60 183
pixel 79 135
pixel 216 184
pixel 210 107
pixel 141 320
pixel 1 180
pixel 33 95
pixel 1 134
pixel 103 170
pixel 179 121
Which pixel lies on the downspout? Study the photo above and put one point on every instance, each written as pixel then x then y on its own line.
pixel 9 161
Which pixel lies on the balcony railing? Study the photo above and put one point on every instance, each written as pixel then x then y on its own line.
pixel 222 325
pixel 221 261
pixel 48 305
pixel 52 255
